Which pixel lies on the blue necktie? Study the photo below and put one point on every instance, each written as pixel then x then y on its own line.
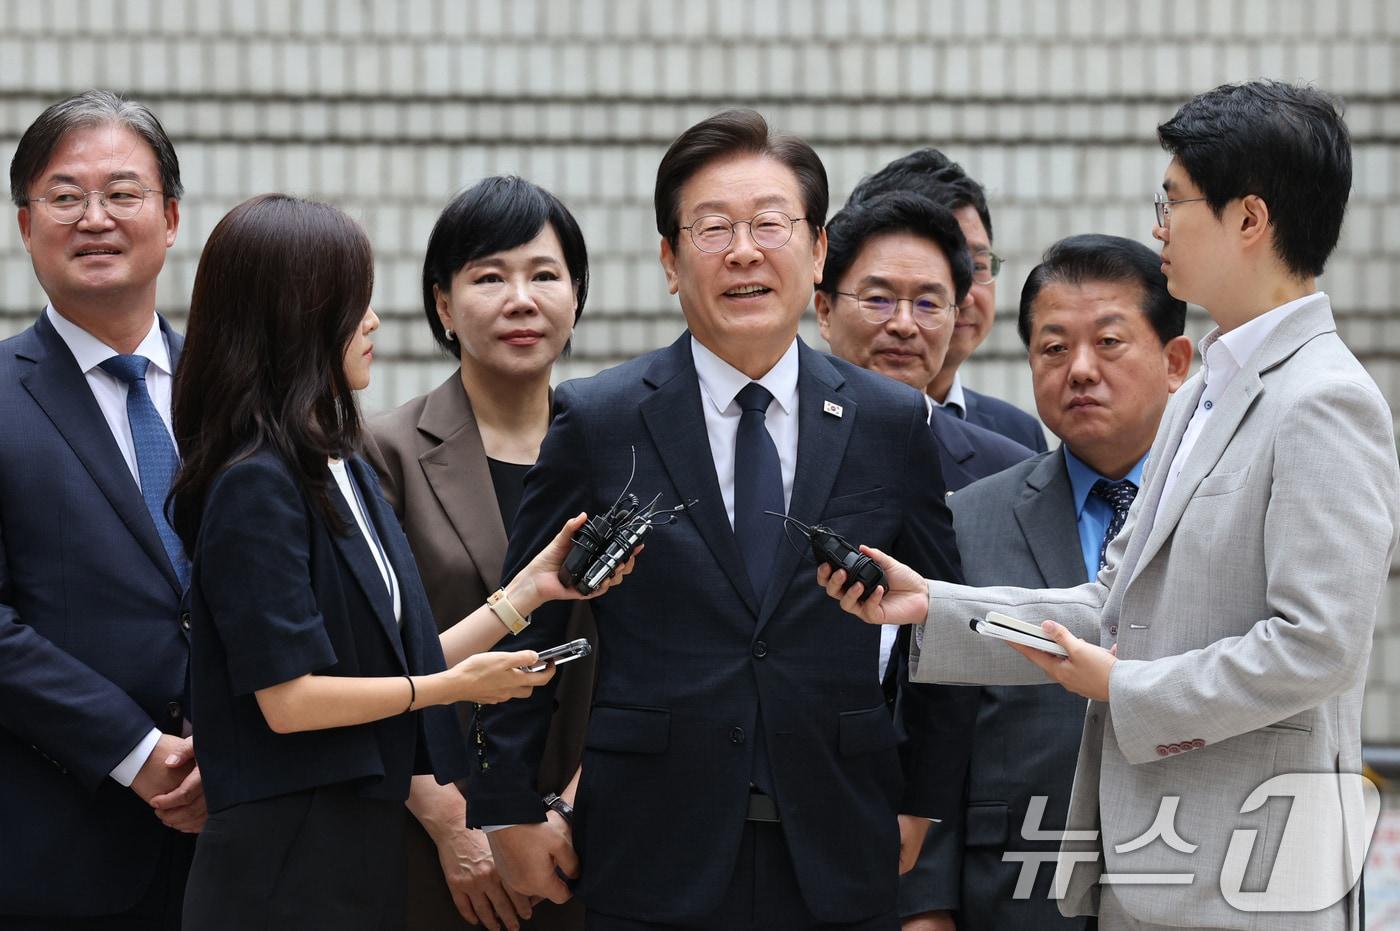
pixel 1119 496
pixel 758 487
pixel 156 459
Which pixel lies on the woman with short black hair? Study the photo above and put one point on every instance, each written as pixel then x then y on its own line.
pixel 505 278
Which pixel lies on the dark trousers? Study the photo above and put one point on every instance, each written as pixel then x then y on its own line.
pixel 323 858
pixel 762 896
pixel 158 910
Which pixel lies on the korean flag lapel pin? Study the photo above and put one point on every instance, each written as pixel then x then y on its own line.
pixel 832 408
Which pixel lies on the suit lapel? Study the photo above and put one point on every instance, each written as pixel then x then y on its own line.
pixel 821 447
pixel 954 450
pixel 1235 403
pixel 355 550
pixel 676 422
pixel 61 390
pixel 1169 435
pixel 460 477
pixel 1046 515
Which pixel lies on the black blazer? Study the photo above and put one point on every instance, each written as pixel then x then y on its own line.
pixel 92 650
pixel 968 452
pixel 689 655
pixel 1007 419
pixel 1018 528
pixel 276 594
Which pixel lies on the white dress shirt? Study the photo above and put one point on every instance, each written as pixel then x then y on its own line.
pixel 386 571
pixel 1223 355
pixel 956 398
pixel 110 393
pixel 720 384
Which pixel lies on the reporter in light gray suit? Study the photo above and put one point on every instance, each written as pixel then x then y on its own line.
pixel 1103 337
pixel 1242 593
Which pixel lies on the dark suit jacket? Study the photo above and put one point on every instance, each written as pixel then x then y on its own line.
pixel 276 594
pixel 435 476
pixel 1018 528
pixel 1007 419
pixel 690 657
pixel 966 453
pixel 92 650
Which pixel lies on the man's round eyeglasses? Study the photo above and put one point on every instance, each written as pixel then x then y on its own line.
pixel 770 229
pixel 930 311
pixel 122 200
pixel 1163 205
pixel 986 265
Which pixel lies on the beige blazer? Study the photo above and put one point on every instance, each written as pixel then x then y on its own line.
pixel 433 468
pixel 1243 607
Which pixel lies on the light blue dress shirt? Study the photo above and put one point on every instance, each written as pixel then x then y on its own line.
pixel 1092 513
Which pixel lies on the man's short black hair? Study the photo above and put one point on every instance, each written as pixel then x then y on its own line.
pixel 1095 257
pixel 729 133
pixel 931 173
pixel 1284 143
pixel 899 212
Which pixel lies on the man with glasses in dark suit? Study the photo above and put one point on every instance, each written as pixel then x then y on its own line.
pixel 931 173
pixel 93 646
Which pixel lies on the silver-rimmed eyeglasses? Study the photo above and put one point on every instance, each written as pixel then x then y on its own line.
pixel 122 200
pixel 930 311
pixel 770 229
pixel 986 265
pixel 1164 205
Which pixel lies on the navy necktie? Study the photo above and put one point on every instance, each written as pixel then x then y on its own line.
pixel 758 487
pixel 156 459
pixel 1119 496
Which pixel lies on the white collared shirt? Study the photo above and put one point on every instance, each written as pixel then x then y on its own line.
pixel 720 384
pixel 1223 355
pixel 956 399
pixel 109 390
pixel 343 481
pixel 110 393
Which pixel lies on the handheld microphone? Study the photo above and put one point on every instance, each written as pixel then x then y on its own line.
pixel 608 540
pixel 831 548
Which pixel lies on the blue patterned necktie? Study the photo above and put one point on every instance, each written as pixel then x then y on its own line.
pixel 758 487
pixel 1119 496
pixel 156 459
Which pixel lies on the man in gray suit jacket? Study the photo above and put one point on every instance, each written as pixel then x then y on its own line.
pixel 1104 341
pixel 1224 645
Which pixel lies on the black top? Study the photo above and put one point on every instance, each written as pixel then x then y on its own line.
pixel 508 479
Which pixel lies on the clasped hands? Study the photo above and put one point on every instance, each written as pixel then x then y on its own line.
pixel 904 600
pixel 170 783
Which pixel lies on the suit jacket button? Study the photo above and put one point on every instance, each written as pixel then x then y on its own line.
pixel 1113 630
pixel 185 620
pixel 174 710
pixel 736 735
pixel 760 650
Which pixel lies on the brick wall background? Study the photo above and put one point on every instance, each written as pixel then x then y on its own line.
pixel 387 108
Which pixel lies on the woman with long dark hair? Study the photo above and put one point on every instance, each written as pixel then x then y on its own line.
pixel 319 683
pixel 505 278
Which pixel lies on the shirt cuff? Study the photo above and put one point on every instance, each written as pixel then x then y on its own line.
pixel 488 828
pixel 125 773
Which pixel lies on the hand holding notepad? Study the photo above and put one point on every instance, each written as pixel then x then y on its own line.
pixel 1013 630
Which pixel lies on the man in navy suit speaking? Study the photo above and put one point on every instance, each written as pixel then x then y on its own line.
pixel 740 767
pixel 93 646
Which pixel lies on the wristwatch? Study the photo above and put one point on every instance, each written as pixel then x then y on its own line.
pixel 500 604
pixel 554 802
